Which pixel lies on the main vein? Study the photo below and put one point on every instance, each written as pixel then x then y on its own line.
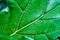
pixel 26 26
pixel 32 21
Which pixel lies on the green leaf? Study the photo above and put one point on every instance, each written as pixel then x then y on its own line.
pixel 31 20
pixel 6 37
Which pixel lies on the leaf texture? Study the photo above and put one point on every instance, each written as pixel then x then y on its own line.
pixel 31 20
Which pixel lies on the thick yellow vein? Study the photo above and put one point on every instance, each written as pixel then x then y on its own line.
pixel 26 26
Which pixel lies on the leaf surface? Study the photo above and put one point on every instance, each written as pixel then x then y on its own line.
pixel 31 20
